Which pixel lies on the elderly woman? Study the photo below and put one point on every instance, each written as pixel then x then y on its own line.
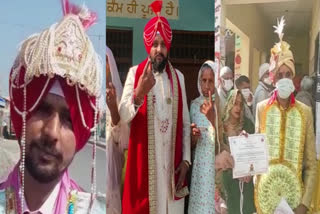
pixel 238 193
pixel 204 138
pixel 117 137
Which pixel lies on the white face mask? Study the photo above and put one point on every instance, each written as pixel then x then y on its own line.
pixel 285 87
pixel 227 84
pixel 267 81
pixel 246 94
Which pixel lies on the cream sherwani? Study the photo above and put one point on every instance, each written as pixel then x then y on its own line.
pixel 163 133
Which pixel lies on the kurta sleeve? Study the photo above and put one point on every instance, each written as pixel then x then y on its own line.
pixel 127 110
pixel 258 118
pixel 309 160
pixel 186 121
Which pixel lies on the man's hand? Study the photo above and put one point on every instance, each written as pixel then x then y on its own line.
pixel 224 161
pixel 182 170
pixel 195 134
pixel 301 209
pixel 146 82
pixel 207 108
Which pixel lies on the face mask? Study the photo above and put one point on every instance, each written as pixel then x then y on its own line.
pixel 267 81
pixel 285 87
pixel 227 84
pixel 246 94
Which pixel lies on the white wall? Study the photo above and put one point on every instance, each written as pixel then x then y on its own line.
pixel 315 28
pixel 253 24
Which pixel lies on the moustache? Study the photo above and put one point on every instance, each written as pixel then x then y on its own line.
pixel 46 146
pixel 160 54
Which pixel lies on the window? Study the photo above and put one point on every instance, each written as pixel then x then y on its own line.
pixel 120 42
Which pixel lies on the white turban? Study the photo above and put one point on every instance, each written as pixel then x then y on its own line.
pixel 306 83
pixel 225 70
pixel 263 69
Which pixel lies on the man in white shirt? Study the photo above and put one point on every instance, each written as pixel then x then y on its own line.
pixel 154 102
pixel 226 84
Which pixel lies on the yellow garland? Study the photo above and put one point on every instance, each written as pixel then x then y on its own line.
pixel 283 140
pixel 275 164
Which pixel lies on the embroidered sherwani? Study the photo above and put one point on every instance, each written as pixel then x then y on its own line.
pixel 162 132
pixel 291 142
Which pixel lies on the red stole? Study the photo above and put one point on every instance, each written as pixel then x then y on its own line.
pixel 136 184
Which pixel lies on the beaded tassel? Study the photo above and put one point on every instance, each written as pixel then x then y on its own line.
pixel 94 150
pixel 23 148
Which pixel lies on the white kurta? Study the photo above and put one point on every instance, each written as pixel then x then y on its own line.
pixel 163 133
pixel 222 100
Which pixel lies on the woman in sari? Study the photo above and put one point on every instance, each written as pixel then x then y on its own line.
pixel 117 137
pixel 204 139
pixel 238 193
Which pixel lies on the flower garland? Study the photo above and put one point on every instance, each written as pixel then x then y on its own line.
pixel 280 182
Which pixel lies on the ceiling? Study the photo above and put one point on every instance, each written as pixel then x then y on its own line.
pixel 298 13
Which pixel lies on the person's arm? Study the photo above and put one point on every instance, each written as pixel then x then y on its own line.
pixel 112 104
pixel 309 161
pixel 127 108
pixel 133 98
pixel 195 132
pixel 258 113
pixel 258 97
pixel 186 122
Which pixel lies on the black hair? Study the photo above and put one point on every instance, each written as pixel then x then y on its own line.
pixel 241 79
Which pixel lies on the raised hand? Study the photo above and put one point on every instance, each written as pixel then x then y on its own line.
pixel 146 82
pixel 111 96
pixel 207 108
pixel 112 103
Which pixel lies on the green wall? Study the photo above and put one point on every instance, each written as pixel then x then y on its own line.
pixel 194 15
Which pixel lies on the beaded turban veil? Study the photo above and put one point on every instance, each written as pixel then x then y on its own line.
pixel 280 53
pixel 62 53
pixel 157 25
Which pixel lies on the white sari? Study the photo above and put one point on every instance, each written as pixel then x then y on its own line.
pixel 117 138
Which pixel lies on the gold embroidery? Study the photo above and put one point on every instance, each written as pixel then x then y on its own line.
pixel 174 125
pixel 272 127
pixel 151 157
pixel 151 143
pixel 294 142
pixel 286 145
